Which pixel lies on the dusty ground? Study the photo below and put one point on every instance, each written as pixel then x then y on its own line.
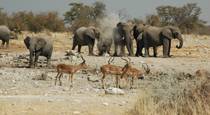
pixel 22 94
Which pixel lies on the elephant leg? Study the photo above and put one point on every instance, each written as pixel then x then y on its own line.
pixel 74 44
pixel 169 49
pixel 155 51
pixel 140 49
pixel 115 50
pixel 130 49
pixel 3 42
pixel 146 51
pixel 122 50
pixel 36 58
pixel 165 48
pixel 140 46
pixel 79 48
pixel 48 62
pixel 146 47
pixel 108 50
pixel 7 44
pixel 31 62
pixel 137 48
pixel 91 49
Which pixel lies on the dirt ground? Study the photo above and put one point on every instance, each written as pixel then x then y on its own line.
pixel 21 93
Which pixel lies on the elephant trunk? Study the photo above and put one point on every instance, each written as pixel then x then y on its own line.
pixel 129 44
pixel 180 42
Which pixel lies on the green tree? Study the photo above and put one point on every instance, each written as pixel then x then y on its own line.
pixel 84 15
pixel 3 17
pixel 153 20
pixel 185 17
pixel 36 22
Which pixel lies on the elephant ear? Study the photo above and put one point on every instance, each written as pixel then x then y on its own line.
pixel 96 32
pixel 166 32
pixel 27 42
pixel 137 30
pixel 120 27
pixel 90 33
pixel 176 32
pixel 40 44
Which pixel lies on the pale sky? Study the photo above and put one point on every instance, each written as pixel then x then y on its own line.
pixel 135 8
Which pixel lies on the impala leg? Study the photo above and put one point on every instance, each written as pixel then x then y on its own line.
pixel 126 81
pixel 132 82
pixel 102 81
pixel 71 78
pixel 59 78
pixel 117 81
pixel 56 77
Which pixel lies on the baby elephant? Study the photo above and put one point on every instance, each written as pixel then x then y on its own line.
pixel 38 46
pixel 6 35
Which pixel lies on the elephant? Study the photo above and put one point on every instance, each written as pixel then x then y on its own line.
pixel 38 46
pixel 152 36
pixel 122 37
pixel 6 35
pixel 104 45
pixel 137 34
pixel 85 36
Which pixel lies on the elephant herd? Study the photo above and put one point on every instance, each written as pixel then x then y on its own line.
pixel 145 36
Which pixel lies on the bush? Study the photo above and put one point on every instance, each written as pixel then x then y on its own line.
pixel 185 97
pixel 28 21
pixel 84 15
pixel 187 17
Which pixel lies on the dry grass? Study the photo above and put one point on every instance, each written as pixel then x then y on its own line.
pixel 175 97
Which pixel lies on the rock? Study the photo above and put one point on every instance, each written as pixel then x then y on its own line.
pixel 105 104
pixel 71 52
pixel 76 112
pixel 96 90
pixel 30 108
pixel 114 91
pixel 42 77
pixel 92 79
pixel 49 101
pixel 14 81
